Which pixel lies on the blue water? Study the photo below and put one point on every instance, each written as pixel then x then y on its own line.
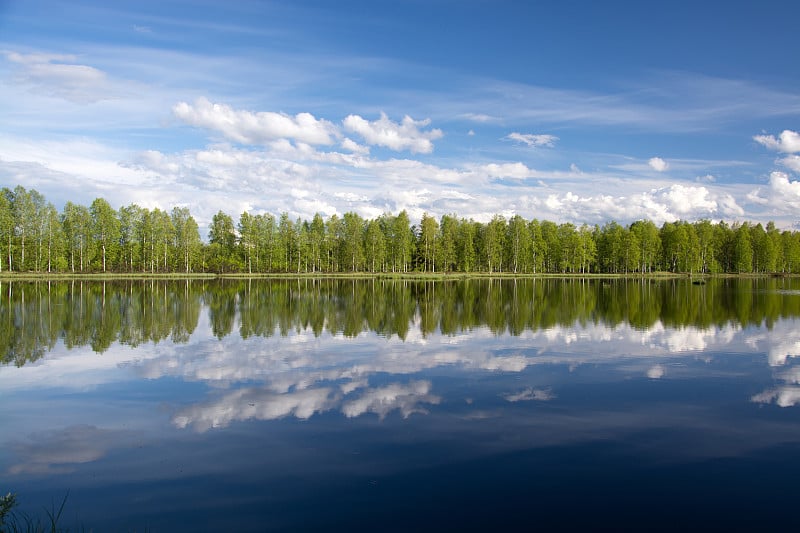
pixel 570 428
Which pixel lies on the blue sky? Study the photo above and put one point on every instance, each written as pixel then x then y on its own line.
pixel 565 111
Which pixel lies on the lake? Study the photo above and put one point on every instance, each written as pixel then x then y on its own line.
pixel 338 404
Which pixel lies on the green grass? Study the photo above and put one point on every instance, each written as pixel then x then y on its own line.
pixel 97 276
pixel 421 276
pixel 12 521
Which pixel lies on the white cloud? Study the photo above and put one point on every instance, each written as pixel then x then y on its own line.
pixel 507 170
pixel 683 200
pixel 656 372
pixel 541 140
pixel 403 136
pixel 658 164
pixel 479 117
pixel 59 76
pixel 782 196
pixel 351 146
pixel 754 197
pixel 792 163
pixel 666 204
pixel 351 197
pixel 729 206
pixel 247 127
pixel 785 188
pixel 455 195
pixel 788 141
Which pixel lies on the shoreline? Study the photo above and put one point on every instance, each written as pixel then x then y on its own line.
pixel 410 276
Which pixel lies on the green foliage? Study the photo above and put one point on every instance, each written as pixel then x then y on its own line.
pixel 743 249
pixel 34 237
pixel 427 243
pixel 105 232
pixel 351 244
pixel 13 522
pixel 6 229
pixel 7 504
pixel 375 247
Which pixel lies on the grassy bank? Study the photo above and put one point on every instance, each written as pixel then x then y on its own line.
pixel 420 276
pixel 108 276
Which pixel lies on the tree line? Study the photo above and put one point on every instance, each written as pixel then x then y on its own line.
pixel 35 237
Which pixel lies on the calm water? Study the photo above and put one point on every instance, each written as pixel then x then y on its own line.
pixel 384 405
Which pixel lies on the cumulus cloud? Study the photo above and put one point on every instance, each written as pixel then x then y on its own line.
pixel 729 206
pixel 792 163
pixel 658 164
pixel 507 170
pixel 683 200
pixel 782 196
pixel 656 372
pixel 406 135
pixel 247 127
pixel 788 141
pixel 351 146
pixel 785 188
pixel 536 141
pixel 666 204
pixel 59 76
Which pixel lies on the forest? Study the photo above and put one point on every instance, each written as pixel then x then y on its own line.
pixel 36 237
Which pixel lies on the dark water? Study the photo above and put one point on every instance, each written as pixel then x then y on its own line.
pixel 384 405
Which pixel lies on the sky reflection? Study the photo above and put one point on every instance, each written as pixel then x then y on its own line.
pixel 311 408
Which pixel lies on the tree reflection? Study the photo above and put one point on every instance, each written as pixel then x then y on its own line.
pixel 34 316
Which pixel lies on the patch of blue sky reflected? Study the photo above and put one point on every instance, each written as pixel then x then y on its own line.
pixel 209 384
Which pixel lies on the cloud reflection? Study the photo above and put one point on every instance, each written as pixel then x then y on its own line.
pixel 783 350
pixel 307 372
pixel 383 400
pixel 542 395
pixel 255 404
pixel 262 404
pixel 782 354
pixel 59 451
pixel 786 396
pixel 304 360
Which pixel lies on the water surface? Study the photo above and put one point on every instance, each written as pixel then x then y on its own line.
pixel 396 405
